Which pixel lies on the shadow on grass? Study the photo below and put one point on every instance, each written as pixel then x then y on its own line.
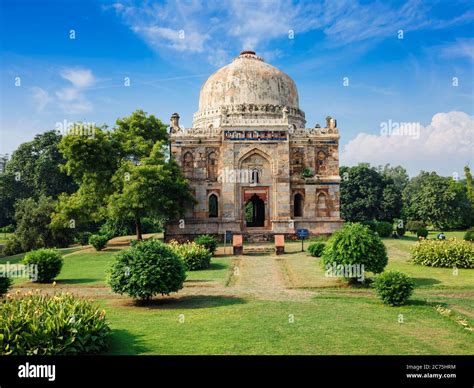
pixel 425 281
pixel 122 342
pixel 76 281
pixel 189 302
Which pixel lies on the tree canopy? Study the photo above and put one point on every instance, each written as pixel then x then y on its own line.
pixel 123 172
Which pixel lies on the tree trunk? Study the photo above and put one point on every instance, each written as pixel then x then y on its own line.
pixel 138 227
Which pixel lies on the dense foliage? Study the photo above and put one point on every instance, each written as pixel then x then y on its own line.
pixel 32 171
pixel 195 256
pixel 34 229
pixel 422 232
pixel 48 263
pixel 469 235
pixel 36 324
pixel 393 287
pixel 371 194
pixel 384 229
pixel 438 201
pixel 316 249
pixel 98 241
pixel 5 284
pixel 444 253
pixel 412 226
pixel 123 173
pixel 356 244
pixel 208 242
pixel 147 269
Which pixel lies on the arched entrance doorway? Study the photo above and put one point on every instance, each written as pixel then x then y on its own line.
pixel 255 212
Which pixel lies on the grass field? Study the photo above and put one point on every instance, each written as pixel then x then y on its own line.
pixel 264 304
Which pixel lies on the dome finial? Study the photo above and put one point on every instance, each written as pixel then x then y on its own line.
pixel 249 54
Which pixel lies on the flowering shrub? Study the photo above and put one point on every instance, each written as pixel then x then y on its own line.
pixel 195 256
pixel 444 253
pixel 37 324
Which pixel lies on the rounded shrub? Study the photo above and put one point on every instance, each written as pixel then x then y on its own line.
pixel 147 269
pixel 356 244
pixel 98 241
pixel 384 229
pixel 316 249
pixel 195 256
pixel 422 232
pixel 469 235
pixel 208 242
pixel 37 324
pixel 47 264
pixel 444 253
pixel 5 284
pixel 393 287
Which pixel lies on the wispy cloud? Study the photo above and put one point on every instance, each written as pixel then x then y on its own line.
pixel 70 99
pixel 80 78
pixel 461 48
pixel 217 28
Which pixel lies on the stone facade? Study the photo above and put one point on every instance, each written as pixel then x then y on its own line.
pixel 252 164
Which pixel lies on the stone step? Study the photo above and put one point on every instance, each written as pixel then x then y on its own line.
pixel 259 249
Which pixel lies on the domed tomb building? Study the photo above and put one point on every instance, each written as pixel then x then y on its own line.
pixel 254 167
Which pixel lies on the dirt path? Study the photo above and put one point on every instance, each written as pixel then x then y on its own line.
pixel 262 277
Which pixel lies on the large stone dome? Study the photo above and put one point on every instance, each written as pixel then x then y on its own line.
pixel 248 90
pixel 248 80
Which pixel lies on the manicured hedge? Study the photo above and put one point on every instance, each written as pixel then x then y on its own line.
pixel 393 287
pixel 444 253
pixel 98 241
pixel 36 324
pixel 356 244
pixel 469 235
pixel 384 229
pixel 147 269
pixel 316 249
pixel 48 263
pixel 208 242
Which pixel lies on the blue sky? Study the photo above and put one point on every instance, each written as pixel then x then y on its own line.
pixel 167 50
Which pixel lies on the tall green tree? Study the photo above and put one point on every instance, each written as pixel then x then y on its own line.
pixel 123 173
pixel 33 171
pixel 438 201
pixel 366 194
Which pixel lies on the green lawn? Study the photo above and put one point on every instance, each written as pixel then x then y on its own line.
pixel 223 316
pixel 325 325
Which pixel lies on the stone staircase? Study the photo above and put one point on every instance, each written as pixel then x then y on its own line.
pixel 256 249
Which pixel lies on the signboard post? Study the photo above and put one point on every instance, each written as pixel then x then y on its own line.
pixel 302 234
pixel 227 239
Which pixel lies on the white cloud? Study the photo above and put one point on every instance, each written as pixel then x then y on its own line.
pixel 41 97
pixel 445 145
pixel 214 26
pixel 80 78
pixel 70 99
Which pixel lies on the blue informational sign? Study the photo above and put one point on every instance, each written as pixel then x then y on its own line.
pixel 228 236
pixel 302 233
